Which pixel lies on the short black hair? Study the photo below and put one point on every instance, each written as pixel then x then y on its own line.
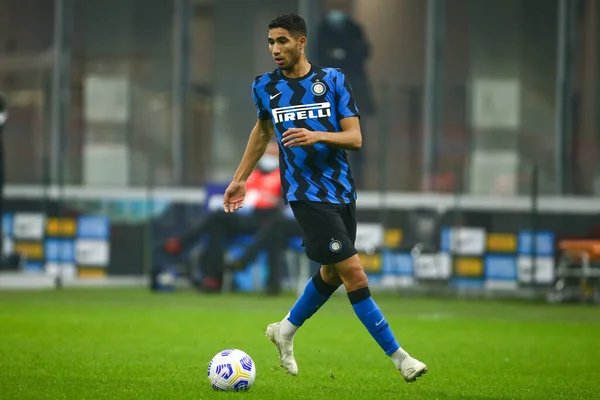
pixel 293 23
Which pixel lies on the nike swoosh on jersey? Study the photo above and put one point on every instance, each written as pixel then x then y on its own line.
pixel 274 95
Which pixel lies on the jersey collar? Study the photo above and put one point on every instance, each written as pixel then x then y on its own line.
pixel 311 71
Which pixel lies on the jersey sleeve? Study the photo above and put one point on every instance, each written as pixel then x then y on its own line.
pixel 262 112
pixel 346 105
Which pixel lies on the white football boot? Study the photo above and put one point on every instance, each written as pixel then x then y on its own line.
pixel 285 346
pixel 411 369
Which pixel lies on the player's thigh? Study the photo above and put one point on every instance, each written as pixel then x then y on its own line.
pixel 325 235
pixel 350 270
pixel 349 218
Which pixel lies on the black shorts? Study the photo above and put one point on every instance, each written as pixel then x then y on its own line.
pixel 328 230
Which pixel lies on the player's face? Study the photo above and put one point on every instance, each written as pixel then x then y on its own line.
pixel 285 48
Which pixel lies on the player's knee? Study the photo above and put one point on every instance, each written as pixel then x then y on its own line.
pixel 330 276
pixel 352 273
pixel 355 280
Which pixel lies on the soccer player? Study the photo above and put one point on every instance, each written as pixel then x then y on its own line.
pixel 315 117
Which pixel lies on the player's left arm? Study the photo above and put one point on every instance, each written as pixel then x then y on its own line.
pixel 350 137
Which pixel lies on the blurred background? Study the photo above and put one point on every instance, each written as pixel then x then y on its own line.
pixel 480 169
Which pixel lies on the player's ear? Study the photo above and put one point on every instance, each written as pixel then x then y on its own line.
pixel 302 42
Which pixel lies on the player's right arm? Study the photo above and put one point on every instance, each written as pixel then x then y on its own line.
pixel 260 136
pixel 257 144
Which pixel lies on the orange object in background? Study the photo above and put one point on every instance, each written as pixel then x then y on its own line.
pixel 578 248
pixel 173 246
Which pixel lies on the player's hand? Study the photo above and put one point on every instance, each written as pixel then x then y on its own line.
pixel 296 137
pixel 234 196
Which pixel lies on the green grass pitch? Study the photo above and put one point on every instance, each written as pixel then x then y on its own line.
pixel 133 344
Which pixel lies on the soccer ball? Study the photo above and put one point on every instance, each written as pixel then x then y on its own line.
pixel 231 370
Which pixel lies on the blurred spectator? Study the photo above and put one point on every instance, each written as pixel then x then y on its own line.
pixel 273 236
pixel 261 212
pixel 341 43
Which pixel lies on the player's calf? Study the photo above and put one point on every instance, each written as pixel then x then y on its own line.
pixel 370 315
pixel 315 294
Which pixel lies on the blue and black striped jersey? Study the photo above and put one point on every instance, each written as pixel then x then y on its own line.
pixel 317 102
